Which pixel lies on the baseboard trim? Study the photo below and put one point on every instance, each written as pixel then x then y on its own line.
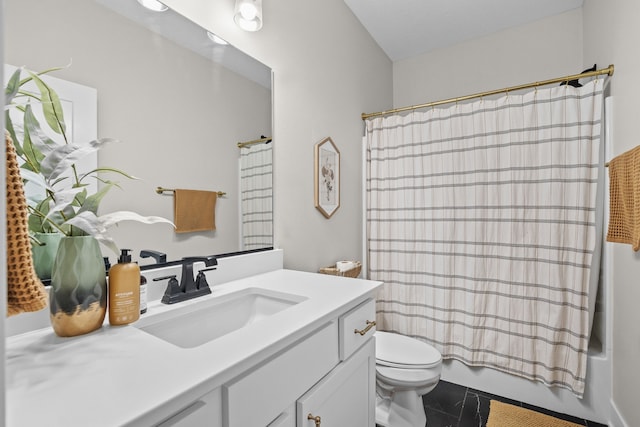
pixel 616 419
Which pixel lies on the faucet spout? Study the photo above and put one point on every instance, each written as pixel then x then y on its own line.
pixel 187 282
pixel 188 287
pixel 160 257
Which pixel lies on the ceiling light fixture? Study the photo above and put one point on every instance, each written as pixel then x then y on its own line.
pixel 217 39
pixel 154 5
pixel 248 14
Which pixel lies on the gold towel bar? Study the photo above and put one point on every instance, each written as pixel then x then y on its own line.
pixel 264 139
pixel 161 190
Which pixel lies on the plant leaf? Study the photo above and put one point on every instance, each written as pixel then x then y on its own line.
pixel 31 153
pixel 12 87
pixel 39 139
pixel 91 224
pixel 94 173
pixel 51 105
pixel 92 202
pixel 64 157
pixel 115 217
pixel 8 126
pixel 34 178
pixel 64 200
pixel 97 226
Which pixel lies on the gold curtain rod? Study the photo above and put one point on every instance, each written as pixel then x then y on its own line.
pixel 161 190
pixel 608 71
pixel 255 141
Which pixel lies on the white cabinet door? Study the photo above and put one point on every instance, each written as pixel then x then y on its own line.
pixel 345 397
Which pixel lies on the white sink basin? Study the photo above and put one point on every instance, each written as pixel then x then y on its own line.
pixel 199 323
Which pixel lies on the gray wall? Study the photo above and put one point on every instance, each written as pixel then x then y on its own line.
pixel 611 37
pixel 327 71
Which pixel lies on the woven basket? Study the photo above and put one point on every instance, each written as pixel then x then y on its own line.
pixel 354 272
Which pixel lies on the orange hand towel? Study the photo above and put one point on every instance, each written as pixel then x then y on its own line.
pixel 25 292
pixel 194 210
pixel 624 199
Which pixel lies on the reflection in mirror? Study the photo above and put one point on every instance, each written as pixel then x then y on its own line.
pixel 256 187
pixel 177 102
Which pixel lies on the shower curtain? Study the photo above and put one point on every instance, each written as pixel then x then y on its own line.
pixel 481 223
pixel 256 189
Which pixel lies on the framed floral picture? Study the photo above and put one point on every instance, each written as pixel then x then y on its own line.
pixel 327 177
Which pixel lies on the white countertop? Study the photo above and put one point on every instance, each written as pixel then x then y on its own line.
pixel 124 376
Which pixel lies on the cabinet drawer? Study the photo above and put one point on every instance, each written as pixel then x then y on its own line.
pixel 258 398
pixel 206 411
pixel 358 319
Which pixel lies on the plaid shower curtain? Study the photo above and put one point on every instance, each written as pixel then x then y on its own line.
pixel 481 221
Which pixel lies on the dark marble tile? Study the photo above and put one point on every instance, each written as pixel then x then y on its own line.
pixel 565 417
pixel 437 418
pixel 496 397
pixel 446 397
pixel 475 410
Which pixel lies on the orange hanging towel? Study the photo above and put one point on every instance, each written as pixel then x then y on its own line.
pixel 624 199
pixel 194 210
pixel 25 292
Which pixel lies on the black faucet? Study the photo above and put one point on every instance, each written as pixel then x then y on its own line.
pixel 161 258
pixel 188 287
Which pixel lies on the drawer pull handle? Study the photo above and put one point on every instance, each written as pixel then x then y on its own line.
pixel 314 419
pixel 365 330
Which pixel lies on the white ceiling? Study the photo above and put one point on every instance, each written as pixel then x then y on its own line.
pixel 406 28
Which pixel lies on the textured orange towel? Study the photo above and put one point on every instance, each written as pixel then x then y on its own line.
pixel 194 210
pixel 25 292
pixel 624 199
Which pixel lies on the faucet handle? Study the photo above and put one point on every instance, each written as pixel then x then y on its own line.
pixel 173 289
pixel 201 282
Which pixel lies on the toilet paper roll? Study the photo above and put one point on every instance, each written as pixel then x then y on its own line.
pixel 343 266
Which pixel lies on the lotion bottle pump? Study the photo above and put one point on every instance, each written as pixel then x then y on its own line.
pixel 124 290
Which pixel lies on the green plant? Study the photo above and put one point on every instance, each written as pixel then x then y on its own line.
pixel 64 203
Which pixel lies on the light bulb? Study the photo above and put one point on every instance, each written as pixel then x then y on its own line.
pixel 248 14
pixel 216 39
pixel 248 11
pixel 154 5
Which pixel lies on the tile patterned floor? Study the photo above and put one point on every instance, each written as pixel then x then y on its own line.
pixel 451 405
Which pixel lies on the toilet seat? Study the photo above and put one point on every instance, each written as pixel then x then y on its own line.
pixel 399 351
pixel 407 377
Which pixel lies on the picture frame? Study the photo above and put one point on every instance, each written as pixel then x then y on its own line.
pixel 327 177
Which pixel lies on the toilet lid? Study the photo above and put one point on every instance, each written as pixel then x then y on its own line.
pixel 398 350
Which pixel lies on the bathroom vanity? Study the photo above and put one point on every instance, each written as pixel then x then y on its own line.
pixel 282 348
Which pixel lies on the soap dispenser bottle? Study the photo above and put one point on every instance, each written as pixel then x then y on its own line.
pixel 124 290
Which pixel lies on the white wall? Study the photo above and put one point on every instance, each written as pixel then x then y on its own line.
pixel 177 115
pixel 327 71
pixel 548 48
pixel 541 50
pixel 611 36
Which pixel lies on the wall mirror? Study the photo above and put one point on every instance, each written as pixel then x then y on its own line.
pixel 178 103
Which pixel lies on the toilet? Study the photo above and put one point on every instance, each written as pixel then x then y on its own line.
pixel 406 369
